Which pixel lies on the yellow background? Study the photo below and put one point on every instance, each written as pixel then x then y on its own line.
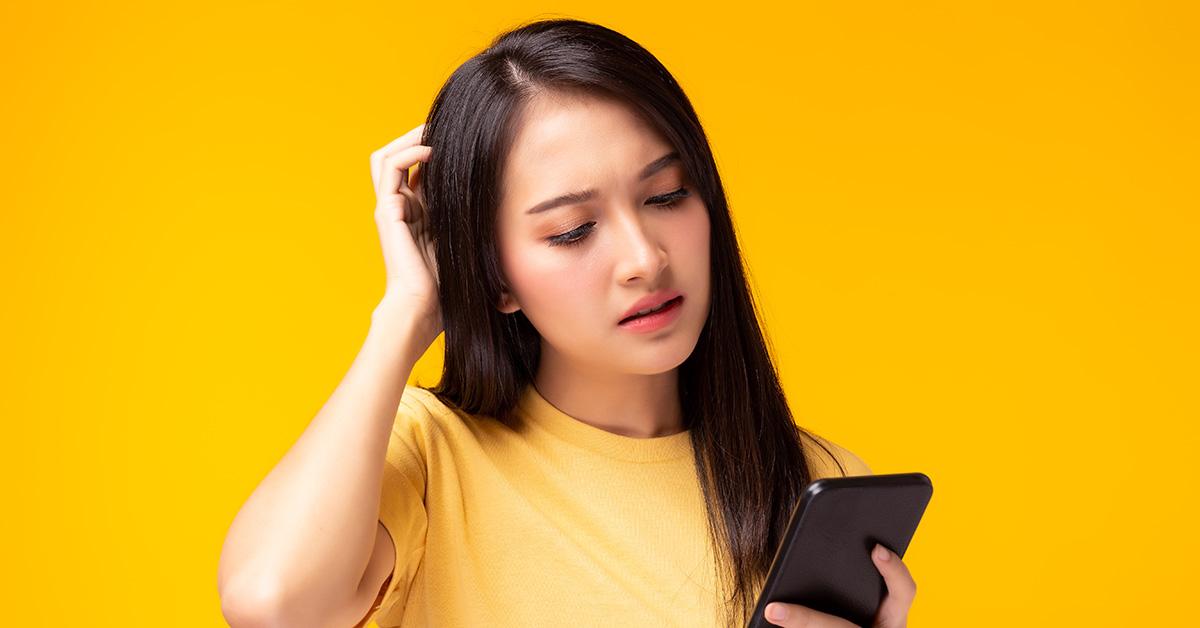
pixel 973 226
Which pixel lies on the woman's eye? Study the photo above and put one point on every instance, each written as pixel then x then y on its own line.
pixel 666 201
pixel 572 236
pixel 670 199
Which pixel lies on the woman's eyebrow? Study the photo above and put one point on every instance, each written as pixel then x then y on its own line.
pixel 571 198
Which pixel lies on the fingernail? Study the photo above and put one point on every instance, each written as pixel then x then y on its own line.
pixel 776 611
pixel 881 552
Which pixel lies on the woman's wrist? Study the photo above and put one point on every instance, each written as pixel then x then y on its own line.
pixel 397 322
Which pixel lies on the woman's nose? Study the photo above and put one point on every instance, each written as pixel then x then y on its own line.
pixel 639 252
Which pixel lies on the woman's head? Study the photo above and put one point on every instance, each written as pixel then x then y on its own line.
pixel 564 106
pixel 551 108
pixel 574 269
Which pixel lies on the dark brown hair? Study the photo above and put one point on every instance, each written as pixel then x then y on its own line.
pixel 749 455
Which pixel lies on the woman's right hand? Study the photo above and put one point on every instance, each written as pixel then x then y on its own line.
pixel 404 234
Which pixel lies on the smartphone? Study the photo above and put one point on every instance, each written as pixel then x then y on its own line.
pixel 824 561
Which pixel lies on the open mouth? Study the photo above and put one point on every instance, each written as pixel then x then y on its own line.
pixel 666 305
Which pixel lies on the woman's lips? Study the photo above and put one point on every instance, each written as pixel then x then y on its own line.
pixel 667 308
pixel 650 301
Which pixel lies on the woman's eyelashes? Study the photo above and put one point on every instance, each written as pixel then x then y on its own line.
pixel 665 201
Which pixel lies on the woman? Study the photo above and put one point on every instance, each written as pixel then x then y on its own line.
pixel 609 443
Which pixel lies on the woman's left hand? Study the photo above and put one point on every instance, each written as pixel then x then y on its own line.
pixel 893 611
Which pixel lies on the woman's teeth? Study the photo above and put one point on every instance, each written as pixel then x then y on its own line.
pixel 653 309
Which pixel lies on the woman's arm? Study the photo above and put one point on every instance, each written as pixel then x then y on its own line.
pixel 298 549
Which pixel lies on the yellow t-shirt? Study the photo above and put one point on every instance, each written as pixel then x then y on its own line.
pixel 556 523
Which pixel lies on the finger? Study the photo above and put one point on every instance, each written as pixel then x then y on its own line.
pixel 414 185
pixel 395 169
pixel 416 198
pixel 397 241
pixel 410 138
pixel 797 616
pixel 901 589
pixel 415 181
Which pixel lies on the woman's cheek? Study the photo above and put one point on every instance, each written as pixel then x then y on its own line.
pixel 580 290
pixel 551 285
pixel 690 235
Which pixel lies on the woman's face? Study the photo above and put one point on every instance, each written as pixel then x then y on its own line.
pixel 575 269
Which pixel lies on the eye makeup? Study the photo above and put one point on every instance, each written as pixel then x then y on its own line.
pixel 574 236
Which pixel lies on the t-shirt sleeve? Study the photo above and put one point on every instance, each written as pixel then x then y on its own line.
pixel 402 501
pixel 823 465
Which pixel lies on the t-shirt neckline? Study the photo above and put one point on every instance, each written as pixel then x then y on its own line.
pixel 548 417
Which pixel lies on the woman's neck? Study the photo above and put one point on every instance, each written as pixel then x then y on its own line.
pixel 639 406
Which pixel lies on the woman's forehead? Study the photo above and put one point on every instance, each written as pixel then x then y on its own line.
pixel 573 141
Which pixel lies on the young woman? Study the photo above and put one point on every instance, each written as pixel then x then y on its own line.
pixel 583 461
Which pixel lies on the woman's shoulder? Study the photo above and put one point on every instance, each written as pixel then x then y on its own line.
pixel 824 455
pixel 422 423
pixel 420 400
pixel 422 408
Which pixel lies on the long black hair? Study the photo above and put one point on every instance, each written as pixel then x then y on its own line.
pixel 749 455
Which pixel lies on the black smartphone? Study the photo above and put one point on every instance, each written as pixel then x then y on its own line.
pixel 824 561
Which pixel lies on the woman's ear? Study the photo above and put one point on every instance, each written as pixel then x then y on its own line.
pixel 508 304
